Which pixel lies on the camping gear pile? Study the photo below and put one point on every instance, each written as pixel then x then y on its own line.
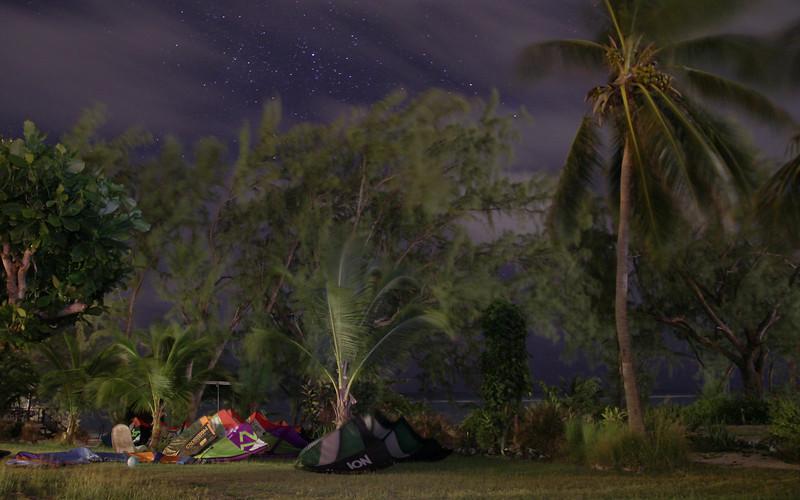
pixel 363 443
pixel 223 437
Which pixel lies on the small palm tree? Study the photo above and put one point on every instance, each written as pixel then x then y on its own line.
pixel 364 315
pixel 153 377
pixel 73 363
pixel 672 160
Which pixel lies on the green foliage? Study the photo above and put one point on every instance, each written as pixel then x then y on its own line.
pixel 725 409
pixel 611 444
pixel 152 372
pixel 255 378
pixel 784 412
pixel 72 362
pixel 580 397
pixel 20 377
pixel 504 364
pixel 412 175
pixel 727 296
pixel 365 314
pixel 538 432
pixel 478 430
pixel 61 217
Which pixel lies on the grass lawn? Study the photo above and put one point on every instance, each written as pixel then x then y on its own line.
pixel 455 477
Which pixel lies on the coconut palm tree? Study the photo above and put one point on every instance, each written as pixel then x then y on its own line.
pixel 364 315
pixel 779 200
pixel 672 160
pixel 73 363
pixel 152 373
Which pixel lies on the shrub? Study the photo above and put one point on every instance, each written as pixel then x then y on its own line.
pixel 715 437
pixel 723 409
pixel 785 425
pixel 504 365
pixel 611 444
pixel 430 424
pixel 478 431
pixel 9 430
pixel 580 397
pixel 539 431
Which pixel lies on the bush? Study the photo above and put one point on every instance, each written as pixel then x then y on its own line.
pixel 429 424
pixel 785 425
pixel 611 444
pixel 478 431
pixel 580 397
pixel 539 432
pixel 724 409
pixel 504 366
pixel 9 430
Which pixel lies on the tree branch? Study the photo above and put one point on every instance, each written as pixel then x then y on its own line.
pixel 683 325
pixel 22 272
pixel 768 323
pixel 721 325
pixel 11 275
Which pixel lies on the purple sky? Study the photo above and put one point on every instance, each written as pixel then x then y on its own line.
pixel 194 68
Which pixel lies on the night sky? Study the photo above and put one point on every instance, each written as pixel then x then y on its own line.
pixel 195 68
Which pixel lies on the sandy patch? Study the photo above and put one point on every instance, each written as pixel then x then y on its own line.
pixel 736 459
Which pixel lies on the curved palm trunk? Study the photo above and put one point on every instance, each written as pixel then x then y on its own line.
pixel 626 358
pixel 155 436
pixel 72 427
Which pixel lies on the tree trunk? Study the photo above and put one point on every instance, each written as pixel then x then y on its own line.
pixel 155 436
pixel 626 357
pixel 752 370
pixel 342 408
pixel 72 427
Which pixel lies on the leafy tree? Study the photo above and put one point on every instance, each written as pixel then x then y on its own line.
pixel 504 364
pixel 63 230
pixel 412 175
pixel 152 374
pixel 365 314
pixel 671 160
pixel 727 296
pixel 73 362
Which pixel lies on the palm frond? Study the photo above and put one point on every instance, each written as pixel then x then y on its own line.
pixel 667 155
pixel 401 337
pixel 748 100
pixel 749 58
pixel 583 160
pixel 540 59
pixel 662 20
pixel 647 207
pixel 344 321
pixel 778 204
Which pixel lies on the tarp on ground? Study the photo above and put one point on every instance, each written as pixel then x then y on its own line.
pixel 282 439
pixel 368 443
pixel 75 456
pixel 192 440
pixel 239 443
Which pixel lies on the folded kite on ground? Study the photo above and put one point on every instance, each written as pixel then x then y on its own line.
pixel 368 443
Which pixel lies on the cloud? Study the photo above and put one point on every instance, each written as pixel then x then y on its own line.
pixel 59 61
